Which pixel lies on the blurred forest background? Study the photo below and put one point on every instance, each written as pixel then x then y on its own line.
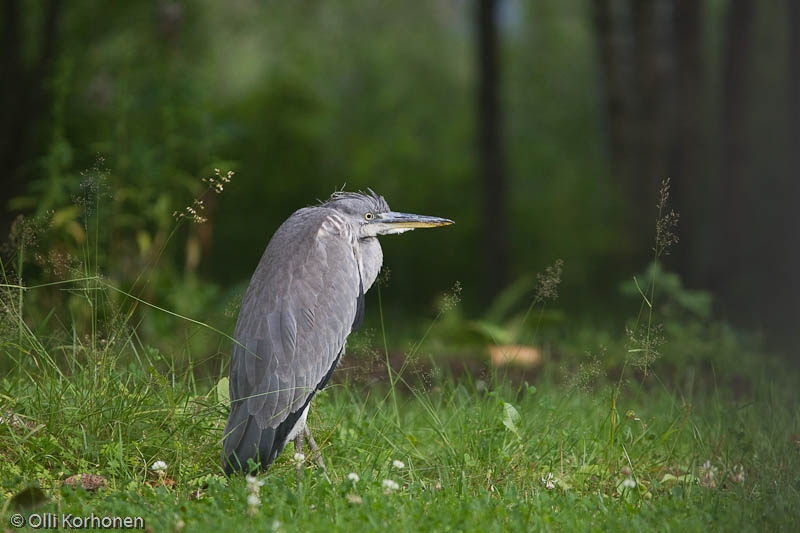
pixel 544 128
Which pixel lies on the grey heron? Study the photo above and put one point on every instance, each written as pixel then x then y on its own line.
pixel 304 299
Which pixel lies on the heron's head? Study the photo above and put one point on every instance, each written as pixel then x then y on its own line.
pixel 372 216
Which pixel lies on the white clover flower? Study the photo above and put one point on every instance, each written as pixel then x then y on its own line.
pixel 352 476
pixel 389 485
pixel 253 484
pixel 299 458
pixel 159 467
pixel 549 481
pixel 398 464
pixel 737 474
pixel 253 487
pixel 629 483
pixel 708 475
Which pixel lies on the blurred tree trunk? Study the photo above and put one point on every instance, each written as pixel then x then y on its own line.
pixel 614 84
pixel 650 126
pixel 634 59
pixel 730 203
pixel 492 161
pixel 685 163
pixel 23 92
pixel 792 180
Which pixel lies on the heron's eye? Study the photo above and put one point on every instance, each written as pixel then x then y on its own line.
pixel 369 216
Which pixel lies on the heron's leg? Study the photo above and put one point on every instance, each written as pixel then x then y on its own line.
pixel 299 448
pixel 314 449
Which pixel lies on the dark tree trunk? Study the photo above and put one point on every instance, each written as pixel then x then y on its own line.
pixel 792 180
pixel 614 88
pixel 633 59
pixel 647 145
pixel 23 95
pixel 730 202
pixel 492 163
pixel 686 167
pixel 793 19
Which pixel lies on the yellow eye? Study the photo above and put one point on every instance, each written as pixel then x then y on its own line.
pixel 369 216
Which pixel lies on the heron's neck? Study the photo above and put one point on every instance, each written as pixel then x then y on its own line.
pixel 371 260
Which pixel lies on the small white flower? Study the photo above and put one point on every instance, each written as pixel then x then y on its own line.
pixel 253 487
pixel 737 475
pixel 352 476
pixel 708 475
pixel 629 483
pixel 253 484
pixel 389 485
pixel 549 481
pixel 159 466
pixel 398 464
pixel 299 458
pixel 276 525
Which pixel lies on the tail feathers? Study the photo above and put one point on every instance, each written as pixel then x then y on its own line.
pixel 244 439
pixel 252 443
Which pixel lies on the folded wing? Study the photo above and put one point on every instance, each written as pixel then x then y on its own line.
pixel 300 307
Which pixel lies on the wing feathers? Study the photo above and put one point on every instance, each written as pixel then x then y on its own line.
pixel 301 304
pixel 288 334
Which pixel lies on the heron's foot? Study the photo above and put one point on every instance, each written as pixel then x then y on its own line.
pixel 299 456
pixel 316 453
pixel 299 446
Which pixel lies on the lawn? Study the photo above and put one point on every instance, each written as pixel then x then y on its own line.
pixel 448 452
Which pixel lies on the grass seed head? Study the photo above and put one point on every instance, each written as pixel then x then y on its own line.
pixel 547 282
pixel 666 223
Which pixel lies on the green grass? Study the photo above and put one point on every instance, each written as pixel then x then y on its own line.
pixel 477 455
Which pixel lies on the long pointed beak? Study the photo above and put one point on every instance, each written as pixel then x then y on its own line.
pixel 392 223
pixel 411 221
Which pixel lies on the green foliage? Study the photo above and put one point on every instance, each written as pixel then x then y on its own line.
pixel 90 265
pixel 301 100
pixel 700 348
pixel 676 302
pixel 515 316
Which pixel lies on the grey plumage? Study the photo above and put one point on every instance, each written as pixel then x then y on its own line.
pixel 305 297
